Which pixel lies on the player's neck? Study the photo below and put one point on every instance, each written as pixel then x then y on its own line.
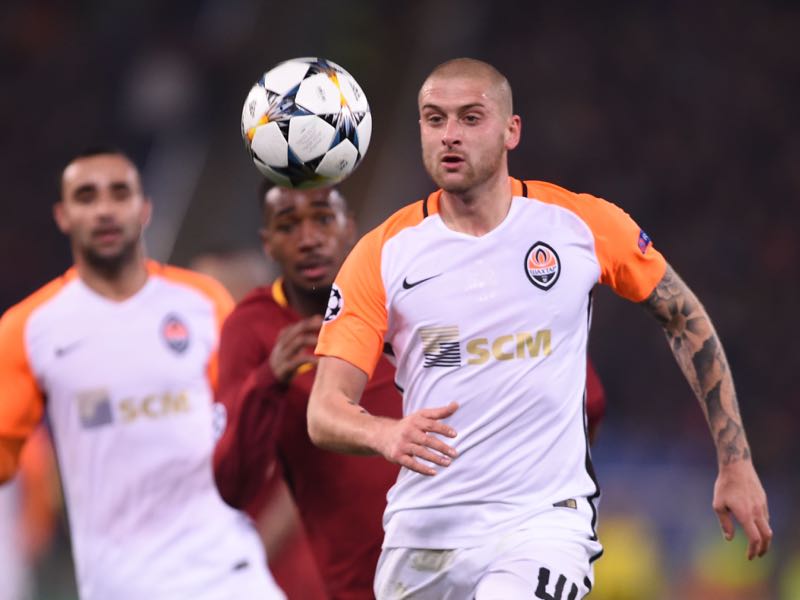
pixel 479 210
pixel 304 302
pixel 116 284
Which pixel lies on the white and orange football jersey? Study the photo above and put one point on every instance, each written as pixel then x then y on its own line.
pixel 499 324
pixel 127 388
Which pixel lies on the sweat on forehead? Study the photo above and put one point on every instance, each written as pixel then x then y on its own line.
pixel 470 68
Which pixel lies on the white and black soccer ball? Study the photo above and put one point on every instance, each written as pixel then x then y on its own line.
pixel 306 123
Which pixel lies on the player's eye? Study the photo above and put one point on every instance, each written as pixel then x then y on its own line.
pixel 120 193
pixel 84 197
pixel 325 219
pixel 434 119
pixel 471 119
pixel 284 227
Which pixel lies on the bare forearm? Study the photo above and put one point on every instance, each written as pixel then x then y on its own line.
pixel 337 424
pixel 700 355
pixel 336 420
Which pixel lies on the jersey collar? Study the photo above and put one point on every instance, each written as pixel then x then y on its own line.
pixel 430 205
pixel 278 293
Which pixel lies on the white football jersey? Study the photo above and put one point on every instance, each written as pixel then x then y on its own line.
pixel 128 388
pixel 499 324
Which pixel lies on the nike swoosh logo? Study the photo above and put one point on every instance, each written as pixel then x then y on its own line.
pixel 407 285
pixel 64 350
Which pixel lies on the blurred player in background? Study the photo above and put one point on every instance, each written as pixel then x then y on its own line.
pixel 29 507
pixel 266 368
pixel 124 351
pixel 266 371
pixel 275 515
pixel 483 290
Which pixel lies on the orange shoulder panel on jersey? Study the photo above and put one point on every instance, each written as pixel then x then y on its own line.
pixel 629 263
pixel 209 287
pixel 21 400
pixel 354 330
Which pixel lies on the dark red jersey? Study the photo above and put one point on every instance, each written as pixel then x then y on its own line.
pixel 340 497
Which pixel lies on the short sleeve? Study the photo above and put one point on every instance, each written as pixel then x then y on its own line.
pixel 21 401
pixel 629 263
pixel 356 320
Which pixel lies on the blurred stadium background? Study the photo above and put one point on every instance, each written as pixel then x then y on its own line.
pixel 684 113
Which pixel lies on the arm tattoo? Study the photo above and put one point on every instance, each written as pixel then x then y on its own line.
pixel 701 358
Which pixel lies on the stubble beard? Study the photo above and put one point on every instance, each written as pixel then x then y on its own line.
pixel 471 177
pixel 111 265
pixel 439 176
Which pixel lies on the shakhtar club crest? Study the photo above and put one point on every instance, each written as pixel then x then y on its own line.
pixel 175 333
pixel 542 266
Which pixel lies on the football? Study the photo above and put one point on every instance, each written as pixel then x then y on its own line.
pixel 306 123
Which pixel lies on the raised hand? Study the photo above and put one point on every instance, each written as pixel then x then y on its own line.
pixel 294 348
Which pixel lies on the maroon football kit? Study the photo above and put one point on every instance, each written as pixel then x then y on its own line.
pixel 340 497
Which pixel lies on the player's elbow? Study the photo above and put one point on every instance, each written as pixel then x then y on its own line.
pixel 318 436
pixel 315 430
pixel 331 417
pixel 316 423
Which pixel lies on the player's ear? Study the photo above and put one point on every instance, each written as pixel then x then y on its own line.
pixel 147 212
pixel 60 217
pixel 513 132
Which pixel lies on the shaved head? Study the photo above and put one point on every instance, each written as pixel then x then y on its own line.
pixel 459 68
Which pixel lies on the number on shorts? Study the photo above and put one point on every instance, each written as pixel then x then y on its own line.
pixel 558 593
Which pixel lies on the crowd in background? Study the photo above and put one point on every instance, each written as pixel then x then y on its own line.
pixel 682 113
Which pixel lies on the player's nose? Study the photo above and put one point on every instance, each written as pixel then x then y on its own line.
pixel 309 235
pixel 105 205
pixel 451 133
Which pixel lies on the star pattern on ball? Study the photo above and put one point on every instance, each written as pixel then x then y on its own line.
pixel 306 123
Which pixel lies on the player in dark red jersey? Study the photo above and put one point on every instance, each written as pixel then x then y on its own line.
pixel 266 371
pixel 266 368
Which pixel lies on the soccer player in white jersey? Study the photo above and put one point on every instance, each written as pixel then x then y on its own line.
pixel 120 351
pixel 483 292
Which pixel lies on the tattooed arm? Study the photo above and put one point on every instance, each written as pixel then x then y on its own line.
pixel 700 356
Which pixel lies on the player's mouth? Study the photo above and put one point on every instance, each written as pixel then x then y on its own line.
pixel 314 270
pixel 451 161
pixel 107 235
